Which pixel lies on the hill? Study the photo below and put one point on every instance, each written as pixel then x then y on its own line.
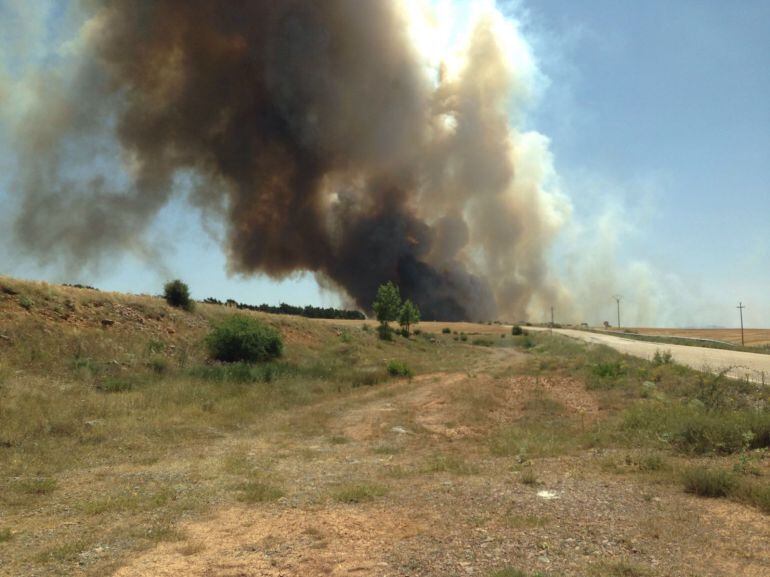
pixel 124 450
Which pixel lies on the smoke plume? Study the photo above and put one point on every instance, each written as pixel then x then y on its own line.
pixel 327 135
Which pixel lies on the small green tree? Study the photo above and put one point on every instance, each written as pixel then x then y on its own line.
pixel 408 316
pixel 387 306
pixel 177 294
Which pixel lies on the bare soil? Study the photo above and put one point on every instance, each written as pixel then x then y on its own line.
pixel 575 519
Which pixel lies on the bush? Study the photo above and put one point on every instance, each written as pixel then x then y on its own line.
pixel 177 295
pixel 516 330
pixel 243 339
pixel 463 337
pixel 399 369
pixel 662 358
pixel 708 482
pixel 446 330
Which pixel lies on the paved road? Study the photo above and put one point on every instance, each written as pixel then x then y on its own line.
pixel 754 366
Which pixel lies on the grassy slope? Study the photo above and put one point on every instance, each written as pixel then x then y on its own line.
pixel 111 433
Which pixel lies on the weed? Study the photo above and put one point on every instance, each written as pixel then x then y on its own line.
pixel 36 486
pixel 514 521
pixel 756 494
pixel 258 492
pixel 399 369
pixel 64 552
pixel 25 302
pixel 449 464
pixel 359 493
pixel 708 482
pixel 661 358
pixel 158 365
pixel 528 477
pixel 386 450
pixel 155 347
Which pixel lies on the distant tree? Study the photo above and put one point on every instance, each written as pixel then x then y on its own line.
pixel 408 316
pixel 177 294
pixel 387 306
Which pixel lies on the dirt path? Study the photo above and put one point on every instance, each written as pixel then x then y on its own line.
pixel 441 505
pixel 738 364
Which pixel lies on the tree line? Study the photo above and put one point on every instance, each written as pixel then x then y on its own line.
pixel 308 311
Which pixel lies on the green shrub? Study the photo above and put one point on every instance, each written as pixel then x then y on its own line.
pixel 25 302
pixel 755 494
pixel 662 358
pixel 243 339
pixel 609 370
pixel 483 342
pixel 399 369
pixel 517 331
pixel 446 330
pixel 177 295
pixel 708 482
pixel 359 493
pixel 158 364
pixel 463 337
pixel 694 429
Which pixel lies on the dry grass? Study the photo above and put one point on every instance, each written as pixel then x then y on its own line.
pixel 112 435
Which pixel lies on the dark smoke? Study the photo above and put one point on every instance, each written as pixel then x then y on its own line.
pixel 314 129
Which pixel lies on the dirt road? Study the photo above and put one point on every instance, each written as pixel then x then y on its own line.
pixel 754 366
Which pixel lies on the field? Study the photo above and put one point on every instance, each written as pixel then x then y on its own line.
pixel 753 337
pixel 125 451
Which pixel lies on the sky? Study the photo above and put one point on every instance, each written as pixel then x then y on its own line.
pixel 658 116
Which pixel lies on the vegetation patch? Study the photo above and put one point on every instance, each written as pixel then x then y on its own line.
pixel 399 369
pixel 359 493
pixel 240 338
pixel 709 482
pixel 258 492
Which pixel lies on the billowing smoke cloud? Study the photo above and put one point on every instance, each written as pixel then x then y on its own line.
pixel 323 133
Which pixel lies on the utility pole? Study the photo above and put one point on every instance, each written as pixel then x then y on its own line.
pixel 740 307
pixel 618 299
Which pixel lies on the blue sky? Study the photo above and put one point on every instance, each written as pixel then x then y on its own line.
pixel 665 107
pixel 658 114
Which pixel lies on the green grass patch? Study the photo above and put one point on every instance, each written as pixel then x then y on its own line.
pixel 691 428
pixel 359 493
pixel 36 486
pixel 709 482
pixel 258 492
pixel 399 369
pixel 5 535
